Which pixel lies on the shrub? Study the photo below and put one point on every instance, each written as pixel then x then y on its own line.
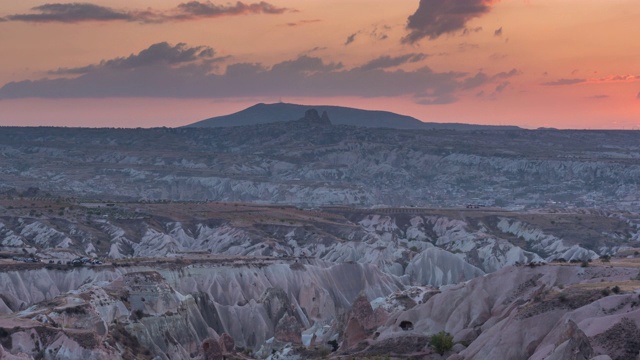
pixel 442 342
pixel 616 289
pixel 584 263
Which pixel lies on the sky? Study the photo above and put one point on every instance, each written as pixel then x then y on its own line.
pixel 135 63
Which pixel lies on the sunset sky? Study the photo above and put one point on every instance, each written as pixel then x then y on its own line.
pixel 134 63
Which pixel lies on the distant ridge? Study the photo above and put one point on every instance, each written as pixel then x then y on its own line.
pixel 278 112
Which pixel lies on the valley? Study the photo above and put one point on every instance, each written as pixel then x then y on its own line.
pixel 309 239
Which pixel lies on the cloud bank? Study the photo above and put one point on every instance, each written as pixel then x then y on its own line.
pixel 71 13
pixel 183 71
pixel 435 18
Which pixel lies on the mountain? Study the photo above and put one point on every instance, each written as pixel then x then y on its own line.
pixel 278 112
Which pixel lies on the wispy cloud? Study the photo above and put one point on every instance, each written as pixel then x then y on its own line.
pixel 351 38
pixel 194 10
pixel 468 31
pixel 615 79
pixel 71 13
pixel 507 74
pixel 376 32
pixel 434 18
pixel 562 82
pixel 303 22
pixel 600 80
pixel 386 61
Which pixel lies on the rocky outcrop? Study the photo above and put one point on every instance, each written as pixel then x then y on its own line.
pixel 439 267
pixel 211 349
pixel 361 321
pixel 533 313
pixel 312 118
pixel 172 310
pixel 288 330
pixel 227 345
pixel 573 345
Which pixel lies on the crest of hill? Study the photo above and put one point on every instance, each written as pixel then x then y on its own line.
pixel 279 112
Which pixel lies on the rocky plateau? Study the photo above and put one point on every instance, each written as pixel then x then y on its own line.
pixel 311 239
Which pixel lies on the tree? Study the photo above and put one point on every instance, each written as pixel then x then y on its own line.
pixel 442 342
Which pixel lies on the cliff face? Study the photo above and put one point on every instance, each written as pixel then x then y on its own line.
pixel 543 312
pixel 257 307
pixel 209 280
pixel 170 311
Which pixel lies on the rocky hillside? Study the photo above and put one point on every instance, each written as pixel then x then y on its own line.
pixel 286 309
pixel 310 164
pixel 416 243
pixel 210 280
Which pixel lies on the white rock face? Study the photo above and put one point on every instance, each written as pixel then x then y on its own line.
pixel 389 241
pixel 171 311
pixel 546 243
pixel 524 312
pixel 439 267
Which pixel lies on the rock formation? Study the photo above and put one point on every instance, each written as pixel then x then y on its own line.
pixel 311 117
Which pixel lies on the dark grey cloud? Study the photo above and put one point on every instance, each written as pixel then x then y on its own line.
pixel 468 31
pixel 303 22
pixel 386 61
pixel 182 71
pixel 501 87
pixel 377 32
pixel 465 46
pixel 564 82
pixel 157 54
pixel 380 32
pixel 193 10
pixel 197 10
pixel 72 13
pixel 498 56
pixel 498 32
pixel 351 38
pixel 305 64
pixel 599 97
pixel 434 18
pixel 475 81
pixel 313 50
pixel 507 74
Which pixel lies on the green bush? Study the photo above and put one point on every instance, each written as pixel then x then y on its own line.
pixel 442 342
